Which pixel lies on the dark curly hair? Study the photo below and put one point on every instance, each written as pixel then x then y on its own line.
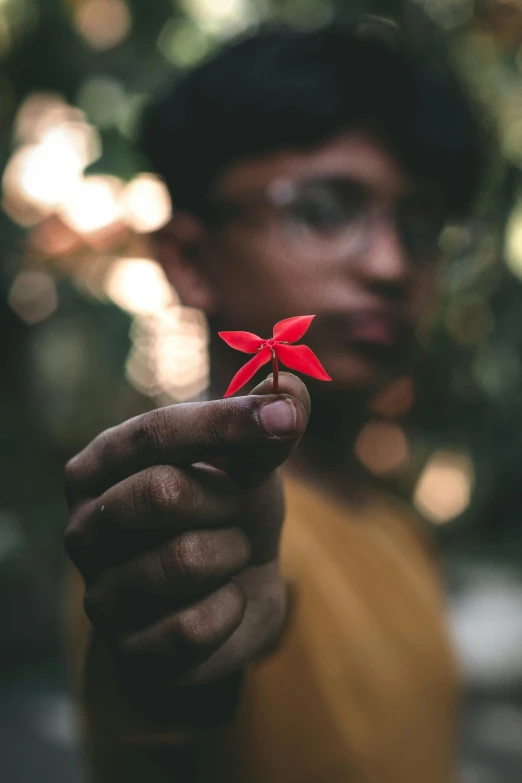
pixel 281 88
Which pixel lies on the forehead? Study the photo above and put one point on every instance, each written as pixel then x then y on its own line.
pixel 357 156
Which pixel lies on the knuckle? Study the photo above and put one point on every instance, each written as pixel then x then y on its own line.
pixel 207 625
pixel 159 484
pixel 198 629
pixel 229 421
pixel 151 433
pixel 218 425
pixel 149 645
pixel 191 555
pixel 185 637
pixel 165 489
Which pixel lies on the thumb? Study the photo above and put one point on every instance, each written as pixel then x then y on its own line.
pixel 263 507
pixel 288 384
pixel 250 466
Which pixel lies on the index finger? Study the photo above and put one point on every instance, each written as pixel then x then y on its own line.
pixel 261 430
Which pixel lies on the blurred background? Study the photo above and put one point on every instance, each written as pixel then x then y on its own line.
pixel 91 334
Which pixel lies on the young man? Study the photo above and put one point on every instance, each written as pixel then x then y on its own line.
pixel 310 174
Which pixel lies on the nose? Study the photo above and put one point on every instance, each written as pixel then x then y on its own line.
pixel 385 264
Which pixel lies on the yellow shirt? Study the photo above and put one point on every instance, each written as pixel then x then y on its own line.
pixel 362 687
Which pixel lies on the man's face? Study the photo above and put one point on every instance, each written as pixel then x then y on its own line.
pixel 341 232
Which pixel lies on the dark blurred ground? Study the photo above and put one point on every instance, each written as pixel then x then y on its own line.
pixel 38 726
pixel 38 729
pixel 486 618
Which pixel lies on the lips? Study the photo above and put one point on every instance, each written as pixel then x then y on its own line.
pixel 378 334
pixel 374 329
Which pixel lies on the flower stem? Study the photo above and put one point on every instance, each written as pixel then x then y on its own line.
pixel 275 371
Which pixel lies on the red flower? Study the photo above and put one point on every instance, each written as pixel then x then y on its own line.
pixel 277 348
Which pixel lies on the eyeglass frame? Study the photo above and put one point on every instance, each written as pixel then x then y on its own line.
pixel 283 194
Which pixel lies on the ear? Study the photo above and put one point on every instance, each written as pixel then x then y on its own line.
pixel 180 248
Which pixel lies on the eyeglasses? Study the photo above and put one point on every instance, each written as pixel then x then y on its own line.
pixel 339 216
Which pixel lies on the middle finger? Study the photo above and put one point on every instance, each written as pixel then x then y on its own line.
pixel 145 509
pixel 189 566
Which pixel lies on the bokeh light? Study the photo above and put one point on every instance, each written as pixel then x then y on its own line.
pixel 395 399
pixel 443 491
pixel 44 174
pixel 169 360
pixel 33 296
pixel 16 201
pixel 93 204
pixel 497 368
pixel 41 112
pixel 486 625
pixel 514 241
pixel 182 42
pixel 48 173
pixel 469 319
pixel 103 100
pixel 146 203
pixel 51 238
pixel 221 17
pixel 82 219
pixel 382 447
pixel 138 285
pixel 103 23
pixel 448 13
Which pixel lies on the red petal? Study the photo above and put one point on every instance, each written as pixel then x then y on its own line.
pixel 292 329
pixel 302 359
pixel 248 370
pixel 242 341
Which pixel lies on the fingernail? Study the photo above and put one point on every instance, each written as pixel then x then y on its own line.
pixel 279 418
